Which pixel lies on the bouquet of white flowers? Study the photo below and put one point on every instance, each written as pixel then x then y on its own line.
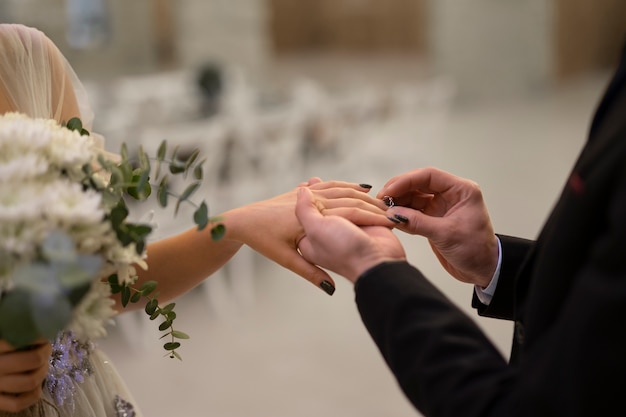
pixel 65 239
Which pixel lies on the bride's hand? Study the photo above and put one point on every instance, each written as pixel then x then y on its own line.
pixel 22 373
pixel 271 227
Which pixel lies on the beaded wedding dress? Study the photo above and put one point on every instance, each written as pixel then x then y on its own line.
pixel 37 80
pixel 81 382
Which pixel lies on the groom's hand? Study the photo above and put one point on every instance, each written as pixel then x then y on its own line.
pixel 337 244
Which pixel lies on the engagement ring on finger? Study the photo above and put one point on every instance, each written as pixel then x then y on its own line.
pixel 388 201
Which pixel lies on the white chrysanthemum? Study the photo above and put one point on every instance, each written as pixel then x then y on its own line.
pixel 21 202
pixel 123 260
pixel 93 312
pixel 68 203
pixel 63 149
pixel 22 168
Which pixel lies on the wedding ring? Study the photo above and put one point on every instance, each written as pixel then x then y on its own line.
pixel 388 201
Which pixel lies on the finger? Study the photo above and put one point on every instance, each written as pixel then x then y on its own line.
pixel 340 184
pixel 20 361
pixel 362 202
pixel 427 180
pixel 20 383
pixel 362 217
pixel 306 210
pixel 15 403
pixel 343 194
pixel 416 222
pixel 312 273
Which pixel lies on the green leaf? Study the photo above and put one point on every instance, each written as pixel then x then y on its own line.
pixel 201 216
pixel 58 246
pixel 189 191
pixel 154 315
pixel 74 124
pixel 162 151
pixel 50 313
pixel 197 172
pixel 160 157
pixel 147 287
pixel 125 296
pixel 175 354
pixel 151 306
pixel 179 335
pixel 141 189
pixel 162 192
pixel 177 167
pixel 168 308
pixel 135 297
pixel 218 231
pixel 17 325
pixel 124 153
pixel 165 325
pixel 118 214
pixel 192 158
pixel 171 345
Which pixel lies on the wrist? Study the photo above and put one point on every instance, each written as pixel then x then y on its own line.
pixel 359 268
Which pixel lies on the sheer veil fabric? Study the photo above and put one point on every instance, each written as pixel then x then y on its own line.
pixel 37 80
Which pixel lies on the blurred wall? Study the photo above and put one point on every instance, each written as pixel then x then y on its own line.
pixel 488 47
pixel 352 26
pixel 589 35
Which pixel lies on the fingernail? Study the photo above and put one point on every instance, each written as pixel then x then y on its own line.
pixel 365 186
pixel 327 287
pixel 393 219
pixel 401 218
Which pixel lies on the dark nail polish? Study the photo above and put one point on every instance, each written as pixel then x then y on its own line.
pixel 365 186
pixel 393 219
pixel 401 218
pixel 327 287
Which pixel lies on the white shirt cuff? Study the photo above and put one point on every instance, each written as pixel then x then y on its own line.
pixel 486 294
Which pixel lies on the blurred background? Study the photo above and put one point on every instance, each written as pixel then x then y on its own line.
pixel 276 91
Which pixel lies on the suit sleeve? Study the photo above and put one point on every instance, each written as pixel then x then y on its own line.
pixel 515 252
pixel 444 363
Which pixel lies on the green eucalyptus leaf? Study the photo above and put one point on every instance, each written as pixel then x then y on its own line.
pixel 79 273
pixel 147 287
pixel 177 166
pixel 165 325
pixel 189 191
pixel 141 189
pixel 37 277
pixel 124 153
pixel 58 246
pixel 125 296
pixel 151 306
pixel 175 354
pixel 201 216
pixel 168 308
pixel 197 172
pixel 171 345
pixel 118 214
pixel 162 151
pixel 51 313
pixel 192 158
pixel 17 324
pixel 179 335
pixel 74 124
pixel 135 297
pixel 162 192
pixel 218 231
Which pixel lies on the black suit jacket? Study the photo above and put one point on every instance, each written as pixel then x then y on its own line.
pixel 566 292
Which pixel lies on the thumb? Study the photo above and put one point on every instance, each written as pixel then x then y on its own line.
pixel 306 210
